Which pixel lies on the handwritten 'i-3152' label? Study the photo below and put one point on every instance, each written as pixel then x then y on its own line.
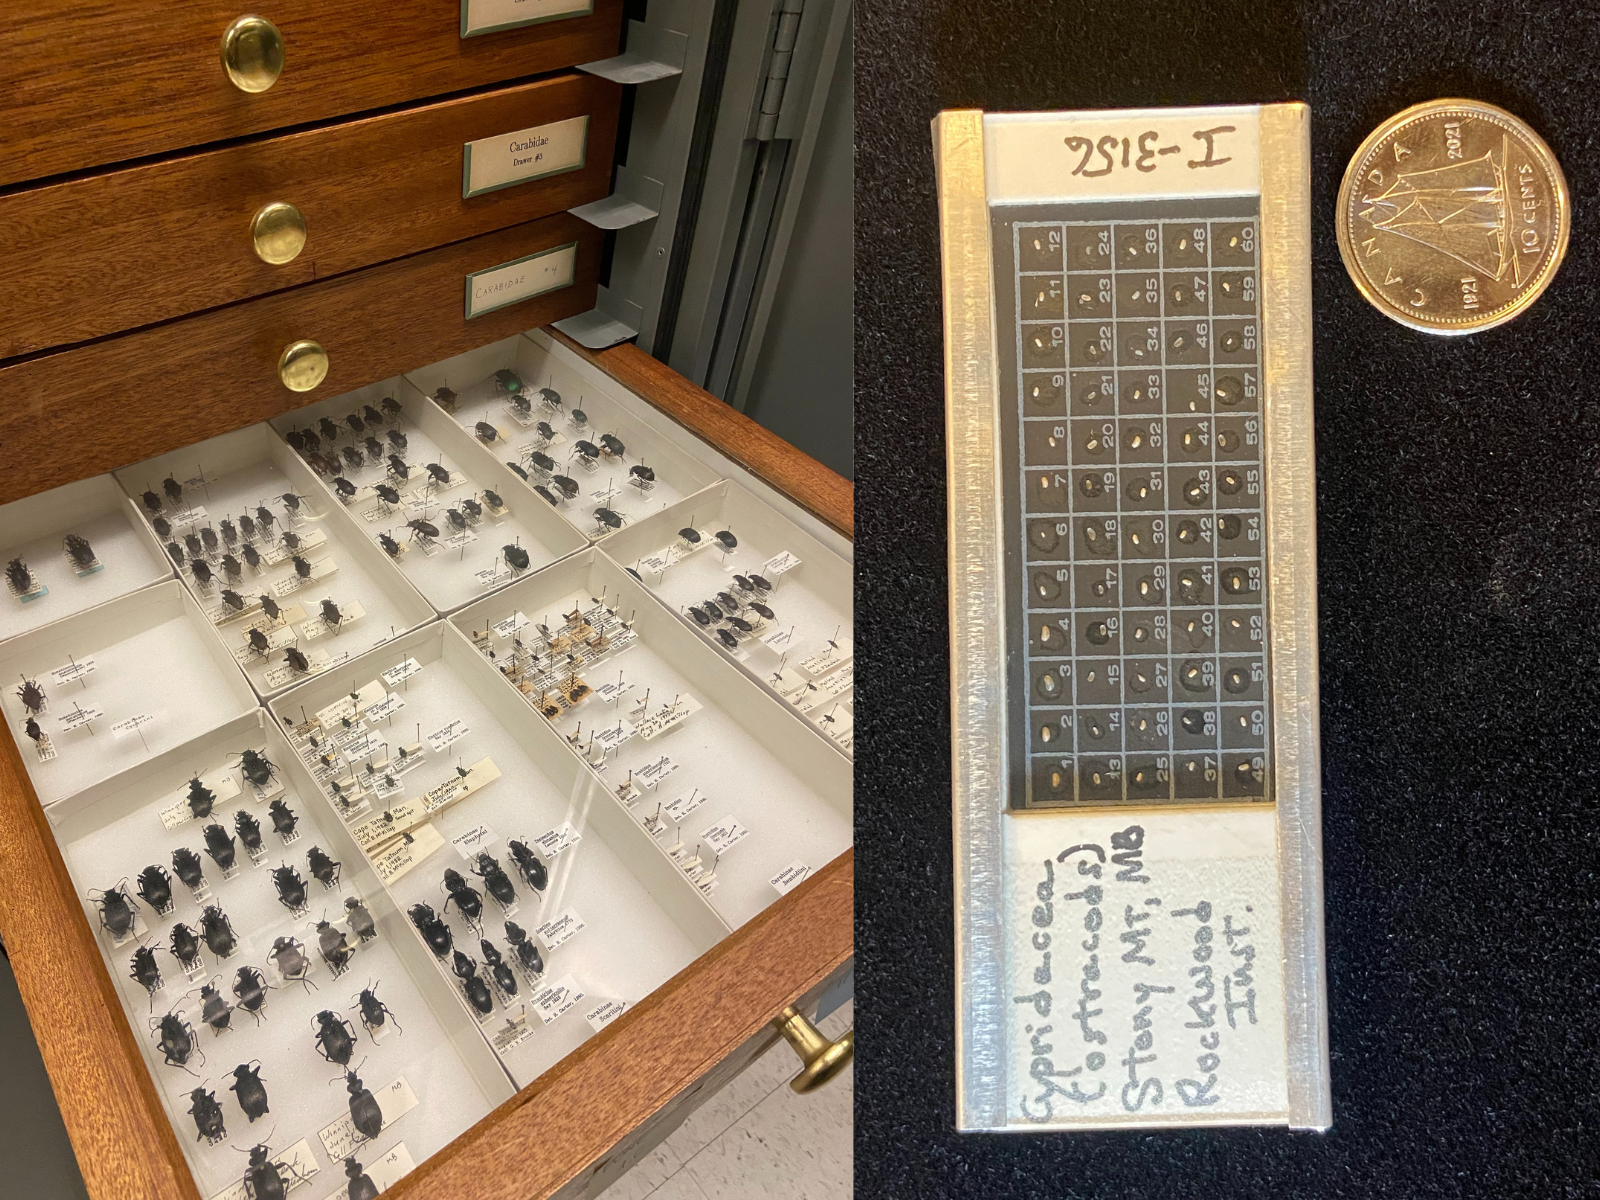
pixel 521 279
pixel 523 155
pixel 1143 975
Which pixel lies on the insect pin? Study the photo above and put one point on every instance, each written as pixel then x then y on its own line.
pixel 335 1039
pixel 375 1015
pixel 289 956
pixel 250 1091
pixel 207 1115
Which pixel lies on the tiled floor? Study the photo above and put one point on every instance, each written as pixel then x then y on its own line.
pixel 757 1138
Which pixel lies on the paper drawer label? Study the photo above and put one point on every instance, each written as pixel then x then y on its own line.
pixel 521 279
pixel 523 155
pixel 488 16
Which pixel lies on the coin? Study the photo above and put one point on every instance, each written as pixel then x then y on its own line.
pixel 1453 216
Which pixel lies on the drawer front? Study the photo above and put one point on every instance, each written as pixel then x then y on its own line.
pixel 125 399
pixel 89 83
pixel 110 252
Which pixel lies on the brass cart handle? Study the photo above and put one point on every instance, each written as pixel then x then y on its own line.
pixel 823 1060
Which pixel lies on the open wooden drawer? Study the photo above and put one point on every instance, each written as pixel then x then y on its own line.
pixel 593 1109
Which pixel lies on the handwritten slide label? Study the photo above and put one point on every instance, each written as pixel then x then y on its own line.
pixel 410 850
pixel 342 1138
pixel 390 1169
pixel 779 564
pixel 296 1165
pixel 1144 983
pixel 523 155
pixel 474 841
pixel 521 279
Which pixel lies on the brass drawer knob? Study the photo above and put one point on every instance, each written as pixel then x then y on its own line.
pixel 823 1060
pixel 278 232
pixel 302 366
pixel 252 54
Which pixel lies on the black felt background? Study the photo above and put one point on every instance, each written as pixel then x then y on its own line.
pixel 1459 490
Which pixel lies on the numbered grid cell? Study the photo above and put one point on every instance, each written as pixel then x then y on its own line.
pixel 1138 344
pixel 1050 681
pixel 1044 394
pixel 1148 777
pixel 1148 730
pixel 1095 585
pixel 1195 776
pixel 1188 342
pixel 1142 489
pixel 1138 246
pixel 1090 297
pixel 1189 439
pixel 1094 490
pixel 1238 439
pixel 1094 393
pixel 1046 491
pixel 1050 587
pixel 1234 341
pixel 1240 582
pixel 1194 679
pixel 1138 294
pixel 1146 632
pixel 1044 346
pixel 1233 293
pixel 1235 389
pixel 1194 584
pixel 1145 681
pixel 1054 778
pixel 1243 775
pixel 1091 343
pixel 1238 534
pixel 1139 439
pixel 1143 537
pixel 1233 243
pixel 1187 391
pixel 1190 488
pixel 1049 540
pixel 1144 586
pixel 1099 731
pixel 1050 731
pixel 1241 678
pixel 1039 248
pixel 1238 486
pixel 1099 681
pixel 1045 443
pixel 1139 391
pixel 1241 631
pixel 1194 631
pixel 1044 298
pixel 1183 244
pixel 1088 247
pixel 1096 632
pixel 1049 635
pixel 1192 536
pixel 1194 727
pixel 1243 727
pixel 1185 294
pixel 1094 537
pixel 1099 779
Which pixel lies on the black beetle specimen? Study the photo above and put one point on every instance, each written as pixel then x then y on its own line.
pixel 503 977
pixel 263 1178
pixel 743 584
pixel 374 1012
pixel 203 575
pixel 214 1010
pixel 588 450
pixel 725 536
pixel 201 799
pixel 391 408
pixel 172 488
pixel 387 494
pixel 516 557
pixel 151 500
pixel 492 499
pixel 155 885
pixel 247 1086
pixel 292 540
pixel 486 432
pixel 352 458
pixel 426 530
pixel 283 818
pixel 635 574
pixel 250 986
pixel 642 473
pixel 527 953
pixel 295 439
pixel 727 639
pixel 208 536
pixel 335 950
pixel 336 1040
pixel 175 1039
pixel 331 614
pixel 761 610
pixel 434 931
pixel 117 911
pixel 185 946
pixel 528 863
pixel 741 625
pixel 506 380
pixel 371 415
pixel 457 521
pixel 302 566
pixel 207 1115
pixel 291 888
pixel 311 438
pixel 364 1111
pixel 31 727
pixel 608 518
pixel 727 601
pixel 191 542
pixel 390 546
pixel 259 643
pixel 360 920
pixel 547 494
pixel 328 428
pixel 220 845
pixel 477 991
pixel 398 440
pixel 374 448
pixel 32 696
pixel 355 424
pixel 690 534
pixel 343 486
pixel 247 525
pixel 700 617
pixel 760 584
pixel 232 598
pixel 613 444
pixel 188 867
pixel 521 474
pixel 495 879
pixel 249 831
pixel 438 473
pixel 579 418
pixel 252 556
pixel 543 461
pixel 264 518
pixel 399 468
pixel 231 568
pixel 218 931
pixel 473 509
pixel 174 552
pixel 230 535
pixel 544 430
pixel 712 610
pixel 290 958
pixel 568 485
pixel 468 900
pixel 270 607
pixel 143 970
pixel 323 869
pixel 163 527
pixel 78 550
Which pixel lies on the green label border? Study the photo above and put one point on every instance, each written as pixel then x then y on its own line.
pixel 586 10
pixel 469 315
pixel 466 162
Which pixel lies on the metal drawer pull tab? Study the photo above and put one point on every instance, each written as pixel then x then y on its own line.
pixel 252 54
pixel 278 232
pixel 823 1059
pixel 302 366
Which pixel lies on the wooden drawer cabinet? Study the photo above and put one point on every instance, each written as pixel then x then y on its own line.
pixel 108 252
pixel 90 82
pixel 172 384
pixel 582 1122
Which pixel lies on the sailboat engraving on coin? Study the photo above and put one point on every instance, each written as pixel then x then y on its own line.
pixel 1453 217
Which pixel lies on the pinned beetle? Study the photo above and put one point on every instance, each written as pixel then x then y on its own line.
pixel 467 899
pixel 374 1013
pixel 256 766
pixel 249 831
pixel 117 911
pixel 504 979
pixel 336 951
pixel 143 970
pixel 214 1010
pixel 527 953
pixel 533 870
pixel 185 946
pixel 289 956
pixel 207 1115
pixel 283 819
pixel 155 885
pixel 218 931
pixel 78 550
pixel 186 863
pixel 495 879
pixel 336 1040
pixel 476 990
pixel 250 988
pixel 360 920
pixel 250 1091
pixel 291 888
pixel 516 557
pixel 323 869
pixel 365 1114
pixel 175 1039
pixel 32 696
pixel 434 931
pixel 219 846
